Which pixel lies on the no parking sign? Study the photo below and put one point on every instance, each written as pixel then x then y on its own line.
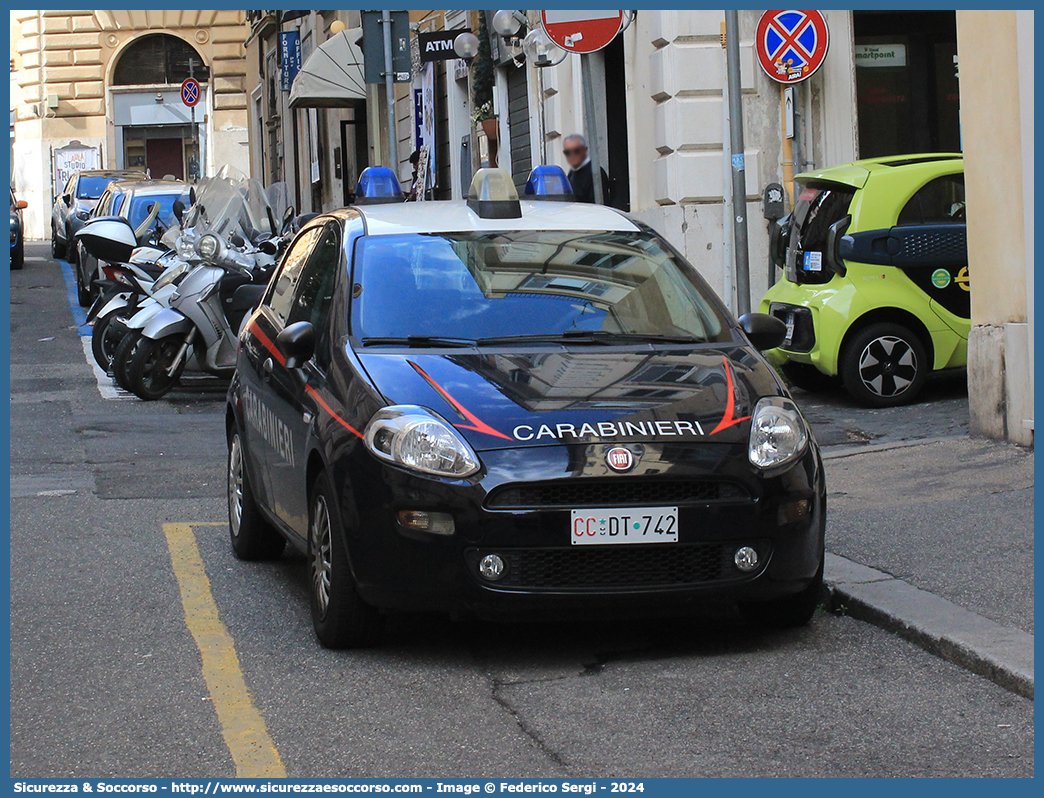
pixel 791 45
pixel 190 92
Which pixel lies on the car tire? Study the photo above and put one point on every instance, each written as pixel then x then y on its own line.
pixel 70 250
pixel 104 341
pixel 884 365
pixel 788 613
pixel 252 537
pixel 808 378
pixel 340 617
pixel 57 248
pixel 147 370
pixel 18 257
pixel 121 358
pixel 83 294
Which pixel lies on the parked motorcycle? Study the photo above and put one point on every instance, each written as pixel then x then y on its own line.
pixel 227 249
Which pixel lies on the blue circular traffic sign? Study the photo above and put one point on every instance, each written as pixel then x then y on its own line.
pixel 190 92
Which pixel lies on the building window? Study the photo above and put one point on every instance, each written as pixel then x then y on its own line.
pixel 159 58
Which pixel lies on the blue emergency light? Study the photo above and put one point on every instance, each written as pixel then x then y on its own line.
pixel 377 185
pixel 549 183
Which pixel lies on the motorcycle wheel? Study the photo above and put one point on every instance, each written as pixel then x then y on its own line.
pixel 147 371
pixel 105 341
pixel 121 358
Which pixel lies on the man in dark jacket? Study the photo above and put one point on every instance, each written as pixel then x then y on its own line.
pixel 574 147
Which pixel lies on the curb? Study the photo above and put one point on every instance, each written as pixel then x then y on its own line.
pixel 1000 653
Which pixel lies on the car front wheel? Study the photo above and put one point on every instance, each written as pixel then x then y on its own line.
pixel 57 247
pixel 793 611
pixel 884 365
pixel 340 617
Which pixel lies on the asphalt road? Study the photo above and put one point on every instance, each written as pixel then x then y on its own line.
pixel 106 679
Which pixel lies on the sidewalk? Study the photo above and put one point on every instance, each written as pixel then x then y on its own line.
pixel 947 526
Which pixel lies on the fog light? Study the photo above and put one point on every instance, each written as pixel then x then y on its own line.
pixel 421 521
pixel 793 511
pixel 746 559
pixel 491 567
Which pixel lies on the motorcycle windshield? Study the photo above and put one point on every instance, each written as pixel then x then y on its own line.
pixel 232 205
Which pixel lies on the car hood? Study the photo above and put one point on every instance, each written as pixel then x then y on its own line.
pixel 86 204
pixel 502 400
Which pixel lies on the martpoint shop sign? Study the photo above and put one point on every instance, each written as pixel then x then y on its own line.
pixel 880 55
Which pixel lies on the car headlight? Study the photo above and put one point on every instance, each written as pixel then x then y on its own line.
pixel 777 432
pixel 82 215
pixel 418 439
pixel 208 246
pixel 169 276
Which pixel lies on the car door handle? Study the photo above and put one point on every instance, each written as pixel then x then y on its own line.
pixel 266 367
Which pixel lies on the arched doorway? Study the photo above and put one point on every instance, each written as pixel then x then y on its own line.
pixel 154 129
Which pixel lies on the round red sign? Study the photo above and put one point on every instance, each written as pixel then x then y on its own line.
pixel 581 31
pixel 791 45
pixel 190 92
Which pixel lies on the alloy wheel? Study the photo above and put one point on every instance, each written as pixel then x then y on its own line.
pixel 235 485
pixel 887 366
pixel 321 559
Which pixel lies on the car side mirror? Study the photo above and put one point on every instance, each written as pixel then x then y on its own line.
pixel 67 199
pixel 178 210
pixel 763 331
pixel 297 343
pixel 21 205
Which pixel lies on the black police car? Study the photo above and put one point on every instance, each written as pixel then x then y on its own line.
pixel 512 408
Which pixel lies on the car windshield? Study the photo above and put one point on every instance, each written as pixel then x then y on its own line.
pixel 525 284
pixel 91 187
pixel 139 207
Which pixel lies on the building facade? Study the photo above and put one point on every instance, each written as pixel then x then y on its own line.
pixel 110 81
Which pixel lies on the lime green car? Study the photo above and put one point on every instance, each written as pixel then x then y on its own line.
pixel 875 287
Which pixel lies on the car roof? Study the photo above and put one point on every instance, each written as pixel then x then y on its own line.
pixel 856 173
pixel 445 216
pixel 110 173
pixel 147 187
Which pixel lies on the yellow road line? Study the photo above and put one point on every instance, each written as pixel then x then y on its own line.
pixel 242 726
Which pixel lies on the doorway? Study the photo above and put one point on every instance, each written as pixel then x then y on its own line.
pixel 907 91
pixel 165 157
pixel 618 167
pixel 353 150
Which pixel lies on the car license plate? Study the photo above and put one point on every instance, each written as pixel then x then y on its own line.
pixel 627 525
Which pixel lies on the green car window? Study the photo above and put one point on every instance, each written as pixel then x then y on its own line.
pixel 939 201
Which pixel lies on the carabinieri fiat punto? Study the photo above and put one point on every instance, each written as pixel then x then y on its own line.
pixel 512 408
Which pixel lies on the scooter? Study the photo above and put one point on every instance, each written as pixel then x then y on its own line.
pixel 214 290
pixel 124 285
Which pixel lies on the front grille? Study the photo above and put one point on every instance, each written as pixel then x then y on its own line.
pixel 580 493
pixel 626 566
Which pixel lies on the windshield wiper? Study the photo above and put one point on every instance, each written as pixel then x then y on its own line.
pixel 419 341
pixel 602 337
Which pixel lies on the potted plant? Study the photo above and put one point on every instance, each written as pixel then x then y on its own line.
pixel 485 118
pixel 482 84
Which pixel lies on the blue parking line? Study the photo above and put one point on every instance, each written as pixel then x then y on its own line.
pixel 79 314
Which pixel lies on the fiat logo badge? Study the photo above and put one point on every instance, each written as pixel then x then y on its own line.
pixel 620 459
